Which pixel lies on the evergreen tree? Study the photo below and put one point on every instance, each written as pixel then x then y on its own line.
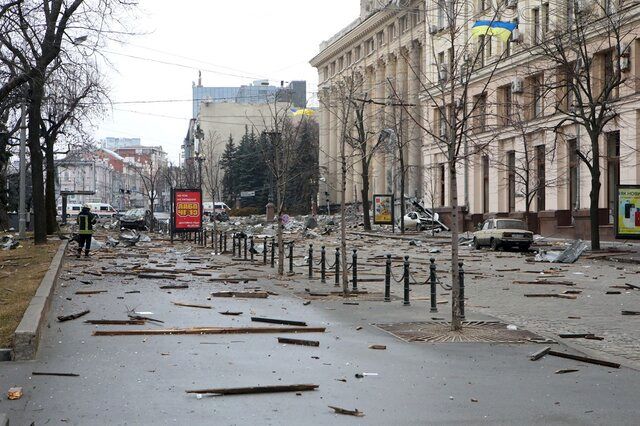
pixel 228 163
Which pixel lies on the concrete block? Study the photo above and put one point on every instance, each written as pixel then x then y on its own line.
pixel 27 334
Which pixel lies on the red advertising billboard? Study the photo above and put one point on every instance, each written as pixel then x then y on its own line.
pixel 187 210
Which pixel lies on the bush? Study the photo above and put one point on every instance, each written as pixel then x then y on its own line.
pixel 246 211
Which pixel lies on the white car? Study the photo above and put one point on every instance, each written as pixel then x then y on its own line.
pixel 497 233
pixel 417 221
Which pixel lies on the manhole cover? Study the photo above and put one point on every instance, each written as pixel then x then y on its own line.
pixel 472 331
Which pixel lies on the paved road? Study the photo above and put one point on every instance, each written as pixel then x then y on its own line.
pixel 141 380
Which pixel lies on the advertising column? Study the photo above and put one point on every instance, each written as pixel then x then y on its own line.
pixel 628 211
pixel 187 210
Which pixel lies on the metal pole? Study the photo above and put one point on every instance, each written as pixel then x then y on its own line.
pixel 245 247
pixel 354 270
pixel 387 280
pixel 323 259
pixel 225 242
pixel 22 212
pixel 461 274
pixel 337 262
pixel 264 251
pixel 252 248
pixel 233 242
pixel 310 261
pixel 406 281
pixel 291 257
pixel 273 252
pixel 432 280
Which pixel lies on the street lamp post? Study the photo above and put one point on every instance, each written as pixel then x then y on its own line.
pixel 22 213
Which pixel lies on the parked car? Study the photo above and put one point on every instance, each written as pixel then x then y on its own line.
pixel 417 221
pixel 505 233
pixel 137 219
pixel 103 210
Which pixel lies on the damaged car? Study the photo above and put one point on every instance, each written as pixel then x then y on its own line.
pixel 503 233
pixel 140 219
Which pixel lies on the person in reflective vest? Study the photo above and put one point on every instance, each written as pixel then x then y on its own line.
pixel 86 220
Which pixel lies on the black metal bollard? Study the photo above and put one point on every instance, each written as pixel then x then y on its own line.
pixel 233 244
pixel 220 243
pixel 291 257
pixel 323 258
pixel 252 248
pixel 205 238
pixel 310 261
pixel 406 281
pixel 387 280
pixel 354 270
pixel 337 284
pixel 461 275
pixel 273 252
pixel 264 252
pixel 245 247
pixel 225 243
pixel 432 280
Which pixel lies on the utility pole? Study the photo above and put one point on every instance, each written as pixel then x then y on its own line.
pixel 22 214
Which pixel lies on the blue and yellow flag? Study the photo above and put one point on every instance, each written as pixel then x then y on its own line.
pixel 502 30
pixel 302 111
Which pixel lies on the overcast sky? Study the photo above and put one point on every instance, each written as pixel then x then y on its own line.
pixel 232 42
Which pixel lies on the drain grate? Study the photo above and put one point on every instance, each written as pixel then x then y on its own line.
pixel 472 332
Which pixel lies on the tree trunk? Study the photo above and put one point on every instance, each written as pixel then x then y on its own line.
pixel 50 187
pixel 39 219
pixel 594 197
pixel 343 221
pixel 402 206
pixel 4 158
pixel 365 194
pixel 456 323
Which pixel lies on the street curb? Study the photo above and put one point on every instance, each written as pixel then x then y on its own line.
pixel 4 420
pixel 27 334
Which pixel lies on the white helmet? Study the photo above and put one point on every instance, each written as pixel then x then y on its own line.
pixel 86 206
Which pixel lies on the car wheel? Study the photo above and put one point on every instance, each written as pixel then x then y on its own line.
pixel 494 244
pixel 525 247
pixel 476 243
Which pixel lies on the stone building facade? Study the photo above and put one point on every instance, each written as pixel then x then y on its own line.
pixel 383 52
pixel 400 52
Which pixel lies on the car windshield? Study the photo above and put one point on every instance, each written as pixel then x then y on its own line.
pixel 135 212
pixel 510 224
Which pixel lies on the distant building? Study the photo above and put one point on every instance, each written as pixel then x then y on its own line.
pixel 115 143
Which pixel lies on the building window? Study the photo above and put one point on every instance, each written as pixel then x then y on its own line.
pixel 511 177
pixel 545 19
pixel 570 14
pixel 573 165
pixel 535 12
pixel 420 14
pixel 505 105
pixel 480 113
pixel 535 101
pixel 356 52
pixel 341 63
pixel 442 14
pixel 333 68
pixel 610 81
pixel 613 170
pixel 541 178
pixel 369 46
pixel 482 5
pixel 403 24
pixel 348 58
pixel 485 184
pixel 391 32
pixel 380 38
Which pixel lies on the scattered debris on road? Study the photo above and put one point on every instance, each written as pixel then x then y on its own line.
pixel 302 342
pixel 14 393
pixel 63 318
pixel 557 296
pixel 378 347
pixel 589 336
pixel 230 313
pixel 630 312
pixel 245 294
pixel 339 410
pixel 539 354
pixel 566 370
pixel 363 375
pixel 189 305
pixel 209 330
pixel 116 322
pixel 40 373
pixel 279 321
pixel 584 359
pixel 569 255
pixel 256 389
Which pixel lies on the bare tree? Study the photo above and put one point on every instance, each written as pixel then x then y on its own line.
pixel 211 149
pixel 590 50
pixel 151 172
pixel 448 92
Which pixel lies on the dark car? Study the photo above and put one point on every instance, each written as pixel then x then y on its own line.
pixel 140 219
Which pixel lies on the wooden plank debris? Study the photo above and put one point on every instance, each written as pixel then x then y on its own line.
pixel 230 313
pixel 539 354
pixel 174 287
pixel 256 389
pixel 209 330
pixel 584 359
pixel 378 347
pixel 545 282
pixel 245 294
pixel 89 292
pixel 40 373
pixel 143 318
pixel 63 318
pixel 630 312
pixel 589 336
pixel 344 411
pixel 302 342
pixel 566 370
pixel 158 276
pixel 558 296
pixel 190 305
pixel 279 321
pixel 115 322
